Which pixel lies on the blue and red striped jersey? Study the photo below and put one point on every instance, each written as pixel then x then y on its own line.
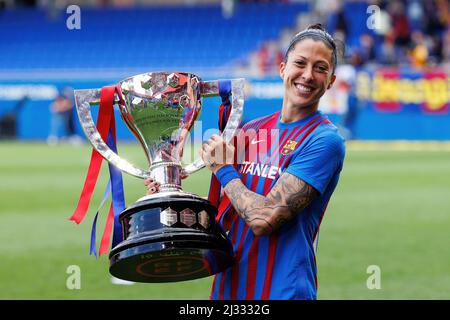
pixel 281 265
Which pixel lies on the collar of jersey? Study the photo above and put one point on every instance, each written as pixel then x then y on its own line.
pixel 301 122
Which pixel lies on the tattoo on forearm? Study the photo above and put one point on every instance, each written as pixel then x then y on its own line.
pixel 252 207
pixel 265 214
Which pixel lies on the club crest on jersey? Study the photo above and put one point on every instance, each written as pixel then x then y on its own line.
pixel 289 147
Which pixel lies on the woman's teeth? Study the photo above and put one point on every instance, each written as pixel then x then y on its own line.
pixel 303 88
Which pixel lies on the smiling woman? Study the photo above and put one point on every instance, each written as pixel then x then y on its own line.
pixel 307 71
pixel 273 219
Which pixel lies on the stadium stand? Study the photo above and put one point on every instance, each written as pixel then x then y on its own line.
pixel 139 37
pixel 39 55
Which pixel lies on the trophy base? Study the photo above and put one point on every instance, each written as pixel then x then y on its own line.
pixel 170 237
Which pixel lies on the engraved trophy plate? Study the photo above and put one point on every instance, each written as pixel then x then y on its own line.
pixel 188 217
pixel 160 109
pixel 168 217
pixel 203 219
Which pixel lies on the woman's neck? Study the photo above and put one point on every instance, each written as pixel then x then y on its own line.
pixel 291 114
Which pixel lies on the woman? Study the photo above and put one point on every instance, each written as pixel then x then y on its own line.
pixel 273 204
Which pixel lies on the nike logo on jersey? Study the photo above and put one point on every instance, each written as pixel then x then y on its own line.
pixel 256 141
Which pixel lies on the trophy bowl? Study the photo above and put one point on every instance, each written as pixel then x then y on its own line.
pixel 172 235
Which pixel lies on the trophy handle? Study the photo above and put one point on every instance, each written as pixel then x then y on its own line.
pixel 83 101
pixel 210 89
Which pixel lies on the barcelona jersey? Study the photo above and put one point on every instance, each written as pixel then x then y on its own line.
pixel 281 265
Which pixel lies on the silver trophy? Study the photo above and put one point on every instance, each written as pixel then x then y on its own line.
pixel 171 235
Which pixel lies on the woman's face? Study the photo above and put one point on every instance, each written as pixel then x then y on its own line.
pixel 307 74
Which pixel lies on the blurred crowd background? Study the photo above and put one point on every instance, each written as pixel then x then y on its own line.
pixel 412 33
pixel 393 73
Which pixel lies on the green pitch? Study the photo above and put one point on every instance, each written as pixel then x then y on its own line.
pixel 391 210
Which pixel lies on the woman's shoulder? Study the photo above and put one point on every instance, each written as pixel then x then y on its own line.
pixel 328 136
pixel 256 123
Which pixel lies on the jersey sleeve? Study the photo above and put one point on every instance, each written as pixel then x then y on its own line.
pixel 317 163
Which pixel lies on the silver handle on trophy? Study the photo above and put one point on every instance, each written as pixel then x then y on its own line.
pixel 211 88
pixel 83 101
pixel 85 98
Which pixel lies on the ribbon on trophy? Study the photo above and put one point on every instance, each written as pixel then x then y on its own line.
pixel 224 113
pixel 106 126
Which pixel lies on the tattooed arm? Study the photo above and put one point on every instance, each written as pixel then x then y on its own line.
pixel 265 214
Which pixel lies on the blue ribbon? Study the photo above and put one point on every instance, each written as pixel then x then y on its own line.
pixel 224 92
pixel 93 249
pixel 115 187
pixel 118 197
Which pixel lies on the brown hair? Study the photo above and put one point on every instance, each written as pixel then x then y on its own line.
pixel 315 32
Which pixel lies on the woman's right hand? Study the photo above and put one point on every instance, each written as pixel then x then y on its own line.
pixel 152 185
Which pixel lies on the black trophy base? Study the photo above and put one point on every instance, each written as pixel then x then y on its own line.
pixel 170 238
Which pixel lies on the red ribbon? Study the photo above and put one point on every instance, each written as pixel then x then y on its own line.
pixel 105 121
pixel 214 189
pixel 106 238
